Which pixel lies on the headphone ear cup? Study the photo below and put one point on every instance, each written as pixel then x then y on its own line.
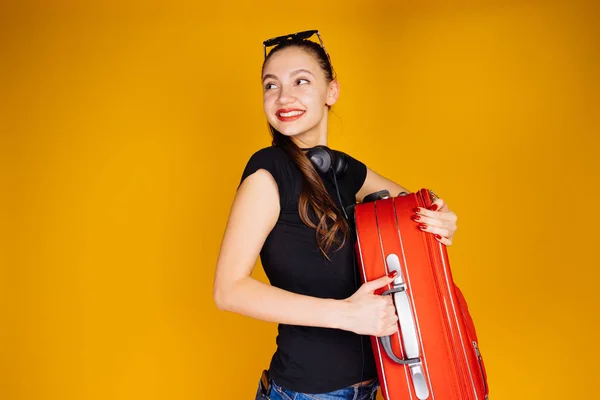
pixel 341 164
pixel 321 158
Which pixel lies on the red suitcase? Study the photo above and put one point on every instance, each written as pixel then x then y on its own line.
pixel 434 354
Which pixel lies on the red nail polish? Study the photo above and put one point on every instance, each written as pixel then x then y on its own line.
pixel 416 210
pixel 422 226
pixel 433 207
pixel 416 217
pixel 438 237
pixel 392 274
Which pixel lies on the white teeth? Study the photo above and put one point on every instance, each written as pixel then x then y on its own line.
pixel 291 113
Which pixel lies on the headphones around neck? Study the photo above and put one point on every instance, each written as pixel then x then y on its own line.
pixel 323 159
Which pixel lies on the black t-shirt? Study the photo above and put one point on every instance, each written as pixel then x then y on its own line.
pixel 312 359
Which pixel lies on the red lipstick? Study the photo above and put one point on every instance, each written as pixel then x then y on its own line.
pixel 289 114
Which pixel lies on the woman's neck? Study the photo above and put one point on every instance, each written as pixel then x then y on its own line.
pixel 308 140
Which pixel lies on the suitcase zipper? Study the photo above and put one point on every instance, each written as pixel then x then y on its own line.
pixel 471 333
pixel 480 362
pixel 458 371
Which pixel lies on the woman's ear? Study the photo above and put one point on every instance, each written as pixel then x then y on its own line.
pixel 333 92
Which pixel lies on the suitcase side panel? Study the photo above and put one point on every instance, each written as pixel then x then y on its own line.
pixel 462 332
pixel 470 363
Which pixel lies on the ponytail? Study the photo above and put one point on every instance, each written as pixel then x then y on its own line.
pixel 329 224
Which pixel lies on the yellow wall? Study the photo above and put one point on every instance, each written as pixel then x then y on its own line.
pixel 117 127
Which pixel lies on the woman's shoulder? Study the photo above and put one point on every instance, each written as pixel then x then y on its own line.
pixel 270 153
pixel 272 158
pixel 275 161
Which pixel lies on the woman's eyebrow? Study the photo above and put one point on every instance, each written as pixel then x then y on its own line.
pixel 296 72
pixel 267 76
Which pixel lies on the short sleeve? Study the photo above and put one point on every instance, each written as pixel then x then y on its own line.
pixel 355 176
pixel 272 160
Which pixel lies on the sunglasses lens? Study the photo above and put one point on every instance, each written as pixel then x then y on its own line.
pixel 294 36
pixel 274 41
pixel 305 35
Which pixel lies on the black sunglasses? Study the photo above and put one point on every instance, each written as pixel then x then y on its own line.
pixel 294 36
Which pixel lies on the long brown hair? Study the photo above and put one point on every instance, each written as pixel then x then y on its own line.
pixel 331 227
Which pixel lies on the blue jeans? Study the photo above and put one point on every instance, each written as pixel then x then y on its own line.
pixel 366 392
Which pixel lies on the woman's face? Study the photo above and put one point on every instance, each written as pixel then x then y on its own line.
pixel 296 94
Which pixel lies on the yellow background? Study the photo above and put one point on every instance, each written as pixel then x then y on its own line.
pixel 124 129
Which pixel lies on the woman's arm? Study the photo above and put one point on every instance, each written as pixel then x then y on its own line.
pixel 375 182
pixel 254 213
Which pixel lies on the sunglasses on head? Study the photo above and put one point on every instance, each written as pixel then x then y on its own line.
pixel 294 37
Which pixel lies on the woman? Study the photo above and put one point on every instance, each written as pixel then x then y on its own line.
pixel 292 214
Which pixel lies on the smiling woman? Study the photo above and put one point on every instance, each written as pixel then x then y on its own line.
pixel 290 210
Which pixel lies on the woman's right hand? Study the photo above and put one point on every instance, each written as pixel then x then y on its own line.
pixel 370 313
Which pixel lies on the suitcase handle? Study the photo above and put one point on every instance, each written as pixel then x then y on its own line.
pixel 415 365
pixel 386 341
pixel 410 341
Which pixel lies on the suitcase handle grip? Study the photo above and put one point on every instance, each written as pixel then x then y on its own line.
pixel 386 341
pixel 415 365
pixel 406 319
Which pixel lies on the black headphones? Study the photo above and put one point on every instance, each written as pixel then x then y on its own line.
pixel 323 158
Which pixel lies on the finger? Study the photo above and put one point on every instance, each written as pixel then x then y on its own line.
pixel 442 235
pixel 392 329
pixel 448 216
pixel 430 221
pixel 443 240
pixel 391 312
pixel 436 205
pixel 443 232
pixel 387 330
pixel 389 304
pixel 393 323
pixel 378 283
pixel 443 213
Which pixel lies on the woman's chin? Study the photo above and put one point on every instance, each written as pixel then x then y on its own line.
pixel 289 130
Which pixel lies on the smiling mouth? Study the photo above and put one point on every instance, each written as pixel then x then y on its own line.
pixel 291 115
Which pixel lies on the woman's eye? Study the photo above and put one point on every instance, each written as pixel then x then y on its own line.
pixel 270 86
pixel 302 81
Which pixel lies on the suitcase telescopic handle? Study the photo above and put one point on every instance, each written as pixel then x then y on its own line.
pixel 406 320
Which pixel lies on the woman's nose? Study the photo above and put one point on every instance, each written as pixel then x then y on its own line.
pixel 285 96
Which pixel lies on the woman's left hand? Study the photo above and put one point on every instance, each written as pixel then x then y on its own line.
pixel 438 220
